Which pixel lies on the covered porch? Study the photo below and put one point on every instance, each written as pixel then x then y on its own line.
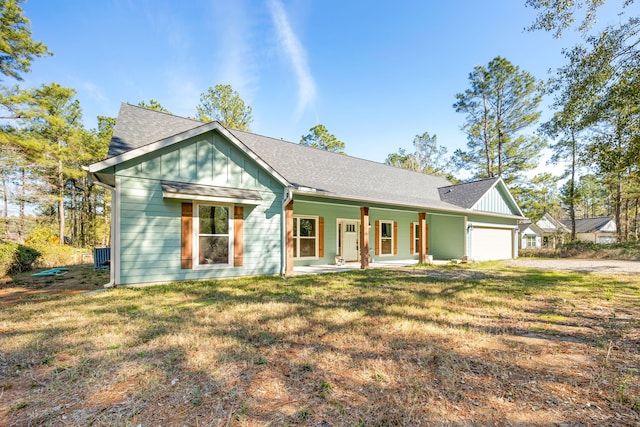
pixel 333 268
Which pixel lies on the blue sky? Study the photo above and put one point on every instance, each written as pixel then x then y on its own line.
pixel 375 73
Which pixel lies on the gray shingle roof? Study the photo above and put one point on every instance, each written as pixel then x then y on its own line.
pixel 346 176
pixel 137 126
pixel 322 173
pixel 466 194
pixel 588 225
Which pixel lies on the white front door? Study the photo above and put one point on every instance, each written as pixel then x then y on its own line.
pixel 350 241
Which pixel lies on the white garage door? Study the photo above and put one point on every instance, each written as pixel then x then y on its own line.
pixel 491 244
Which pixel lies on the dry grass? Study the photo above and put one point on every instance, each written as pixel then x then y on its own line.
pixel 421 346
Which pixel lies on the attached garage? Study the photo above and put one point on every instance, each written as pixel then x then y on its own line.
pixel 491 243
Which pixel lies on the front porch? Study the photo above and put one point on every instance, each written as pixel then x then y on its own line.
pixel 333 268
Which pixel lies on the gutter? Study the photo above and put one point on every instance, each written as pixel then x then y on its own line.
pixel 112 267
pixel 288 196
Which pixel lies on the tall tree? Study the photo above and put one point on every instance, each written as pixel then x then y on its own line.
pixel 52 139
pixel 225 105
pixel 606 70
pixel 153 105
pixel 319 137
pixel 539 195
pixel 592 200
pixel 17 48
pixel 427 157
pixel 501 103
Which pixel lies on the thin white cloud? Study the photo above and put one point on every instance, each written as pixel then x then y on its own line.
pixel 296 54
pixel 234 59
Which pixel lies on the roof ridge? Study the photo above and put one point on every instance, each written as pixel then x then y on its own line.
pixel 297 144
pixel 166 113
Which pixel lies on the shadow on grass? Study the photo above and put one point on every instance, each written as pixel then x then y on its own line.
pixel 375 347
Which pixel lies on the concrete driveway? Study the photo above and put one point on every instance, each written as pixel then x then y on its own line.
pixel 578 265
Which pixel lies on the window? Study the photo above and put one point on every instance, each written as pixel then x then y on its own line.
pixel 416 238
pixel 305 237
pixel 214 235
pixel 386 238
pixel 530 241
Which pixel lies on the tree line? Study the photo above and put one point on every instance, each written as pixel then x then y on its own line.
pixel 593 134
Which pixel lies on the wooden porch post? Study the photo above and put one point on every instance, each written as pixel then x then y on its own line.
pixel 289 231
pixel 422 238
pixel 364 237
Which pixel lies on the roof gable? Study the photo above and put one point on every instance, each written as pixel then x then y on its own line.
pixel 549 224
pixel 137 126
pixel 486 195
pixel 303 169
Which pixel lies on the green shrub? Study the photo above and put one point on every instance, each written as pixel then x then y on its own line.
pixel 15 258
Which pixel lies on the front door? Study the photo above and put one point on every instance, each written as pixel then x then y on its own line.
pixel 350 241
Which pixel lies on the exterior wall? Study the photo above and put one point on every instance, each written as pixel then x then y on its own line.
pixel 597 237
pixel 446 240
pixel 494 201
pixel 525 235
pixel 333 212
pixel 149 235
pixel 446 236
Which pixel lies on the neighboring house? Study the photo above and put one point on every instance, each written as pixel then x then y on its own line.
pixel 597 230
pixel 530 235
pixel 553 231
pixel 196 200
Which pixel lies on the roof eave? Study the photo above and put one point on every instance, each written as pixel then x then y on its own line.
pixel 166 142
pixel 453 209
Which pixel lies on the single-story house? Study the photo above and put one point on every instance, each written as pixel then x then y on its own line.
pixel 597 230
pixel 195 200
pixel 530 235
pixel 554 232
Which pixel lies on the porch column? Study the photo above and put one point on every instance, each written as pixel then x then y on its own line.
pixel 289 231
pixel 364 237
pixel 422 238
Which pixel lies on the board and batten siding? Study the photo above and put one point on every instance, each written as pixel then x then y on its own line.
pixel 150 226
pixel 495 201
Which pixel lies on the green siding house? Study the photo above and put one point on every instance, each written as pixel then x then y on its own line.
pixel 195 200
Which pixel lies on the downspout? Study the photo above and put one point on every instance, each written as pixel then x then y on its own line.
pixel 288 196
pixel 112 269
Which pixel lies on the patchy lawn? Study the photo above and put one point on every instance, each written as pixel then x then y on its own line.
pixel 23 287
pixel 478 345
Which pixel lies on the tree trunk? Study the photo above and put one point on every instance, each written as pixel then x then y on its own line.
pixel 618 207
pixel 60 203
pixel 572 187
pixel 23 178
pixel 5 201
pixel 626 219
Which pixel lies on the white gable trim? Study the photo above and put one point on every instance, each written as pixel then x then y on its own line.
pixel 166 142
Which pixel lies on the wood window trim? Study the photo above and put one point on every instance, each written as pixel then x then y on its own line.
pixel 238 236
pixel 186 244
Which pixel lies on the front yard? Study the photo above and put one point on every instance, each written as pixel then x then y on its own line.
pixel 470 345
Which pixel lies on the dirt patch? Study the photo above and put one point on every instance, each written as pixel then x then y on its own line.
pixel 26 287
pixel 578 265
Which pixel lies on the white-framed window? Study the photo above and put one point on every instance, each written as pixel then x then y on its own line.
pixel 416 237
pixel 305 236
pixel 530 241
pixel 213 235
pixel 386 238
